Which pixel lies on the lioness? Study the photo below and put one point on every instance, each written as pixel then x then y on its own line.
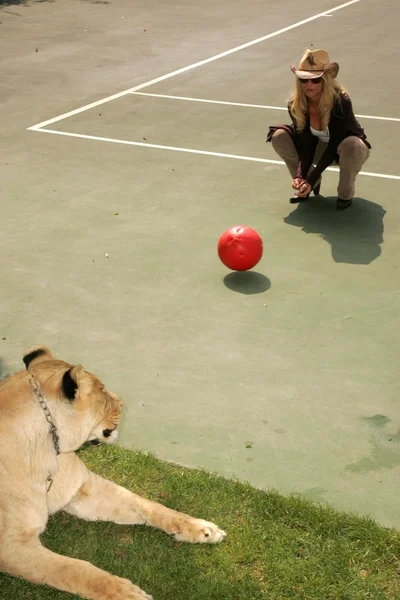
pixel 46 413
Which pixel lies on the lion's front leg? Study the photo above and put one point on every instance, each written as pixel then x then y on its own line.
pixel 22 555
pixel 100 499
pixel 35 563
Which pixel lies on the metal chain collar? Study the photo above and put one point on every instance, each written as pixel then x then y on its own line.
pixel 49 418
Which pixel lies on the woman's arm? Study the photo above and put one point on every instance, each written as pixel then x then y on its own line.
pixel 306 146
pixel 340 119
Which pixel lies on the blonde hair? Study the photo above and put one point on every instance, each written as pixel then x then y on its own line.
pixel 331 92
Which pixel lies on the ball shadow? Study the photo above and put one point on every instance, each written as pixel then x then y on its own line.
pixel 247 282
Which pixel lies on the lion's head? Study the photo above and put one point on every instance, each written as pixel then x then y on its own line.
pixel 82 407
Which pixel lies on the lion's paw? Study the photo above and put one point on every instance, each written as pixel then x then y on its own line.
pixel 197 531
pixel 125 590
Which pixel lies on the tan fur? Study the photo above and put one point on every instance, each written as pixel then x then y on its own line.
pixel 27 456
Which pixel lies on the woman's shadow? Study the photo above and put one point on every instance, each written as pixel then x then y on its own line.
pixel 354 234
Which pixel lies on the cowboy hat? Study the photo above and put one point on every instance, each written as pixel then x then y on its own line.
pixel 315 63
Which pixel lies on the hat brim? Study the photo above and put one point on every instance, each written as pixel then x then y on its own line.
pixel 331 69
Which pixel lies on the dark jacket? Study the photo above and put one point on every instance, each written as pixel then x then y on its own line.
pixel 342 124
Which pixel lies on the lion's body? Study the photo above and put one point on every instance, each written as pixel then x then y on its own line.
pixel 35 482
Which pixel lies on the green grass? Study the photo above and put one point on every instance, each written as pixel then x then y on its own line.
pixel 278 548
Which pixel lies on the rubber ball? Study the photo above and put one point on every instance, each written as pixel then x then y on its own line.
pixel 240 248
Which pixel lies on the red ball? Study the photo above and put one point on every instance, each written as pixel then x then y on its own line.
pixel 240 248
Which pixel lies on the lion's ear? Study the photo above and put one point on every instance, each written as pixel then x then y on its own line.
pixel 35 355
pixel 70 381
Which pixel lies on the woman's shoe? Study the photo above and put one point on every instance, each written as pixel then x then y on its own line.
pixel 343 204
pixel 295 199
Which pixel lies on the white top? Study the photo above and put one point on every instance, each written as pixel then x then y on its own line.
pixel 322 135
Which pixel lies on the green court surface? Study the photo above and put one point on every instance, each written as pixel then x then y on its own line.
pixel 285 376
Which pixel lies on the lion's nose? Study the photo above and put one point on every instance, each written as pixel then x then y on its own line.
pixel 108 432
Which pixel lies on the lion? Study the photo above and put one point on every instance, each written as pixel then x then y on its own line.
pixel 46 413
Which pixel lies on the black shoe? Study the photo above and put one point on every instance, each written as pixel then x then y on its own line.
pixel 317 188
pixel 343 204
pixel 295 199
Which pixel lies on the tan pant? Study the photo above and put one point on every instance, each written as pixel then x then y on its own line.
pixel 352 155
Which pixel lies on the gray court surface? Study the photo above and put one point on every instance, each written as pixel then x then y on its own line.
pixel 285 376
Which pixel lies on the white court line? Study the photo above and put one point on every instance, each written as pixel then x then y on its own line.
pixel 245 105
pixel 194 151
pixel 209 101
pixel 188 68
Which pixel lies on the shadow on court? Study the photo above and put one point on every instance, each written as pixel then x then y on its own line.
pixel 4 3
pixel 247 282
pixel 355 235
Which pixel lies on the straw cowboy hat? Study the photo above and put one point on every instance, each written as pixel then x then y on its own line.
pixel 314 64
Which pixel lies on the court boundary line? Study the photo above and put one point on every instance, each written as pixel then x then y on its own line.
pixel 197 151
pixel 39 126
pixel 267 107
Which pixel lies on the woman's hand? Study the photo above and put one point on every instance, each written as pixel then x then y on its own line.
pixel 304 189
pixel 297 182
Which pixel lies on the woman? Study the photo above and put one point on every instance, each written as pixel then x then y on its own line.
pixel 324 131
